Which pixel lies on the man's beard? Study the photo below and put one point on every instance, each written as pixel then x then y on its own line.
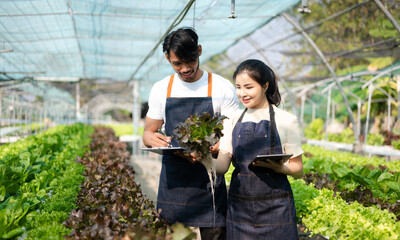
pixel 193 77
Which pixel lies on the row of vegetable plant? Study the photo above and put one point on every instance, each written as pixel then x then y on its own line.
pixel 324 213
pixel 39 180
pixel 111 204
pixel 348 157
pixel 315 130
pixel 383 184
pixel 368 184
pixel 360 194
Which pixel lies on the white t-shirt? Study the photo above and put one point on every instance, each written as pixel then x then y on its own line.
pixel 223 94
pixel 286 124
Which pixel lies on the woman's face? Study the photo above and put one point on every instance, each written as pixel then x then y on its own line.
pixel 250 92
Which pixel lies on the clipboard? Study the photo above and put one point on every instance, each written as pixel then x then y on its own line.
pixel 278 158
pixel 164 150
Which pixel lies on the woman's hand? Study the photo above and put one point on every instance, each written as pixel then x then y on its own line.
pixel 276 166
pixel 293 167
pixel 214 150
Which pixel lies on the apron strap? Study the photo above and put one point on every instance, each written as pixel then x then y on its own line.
pixel 241 116
pixel 272 126
pixel 171 80
pixel 272 131
pixel 209 84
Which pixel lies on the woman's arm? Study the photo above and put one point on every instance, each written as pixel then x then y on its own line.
pixel 294 167
pixel 222 163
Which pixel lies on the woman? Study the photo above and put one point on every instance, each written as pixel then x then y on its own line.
pixel 260 203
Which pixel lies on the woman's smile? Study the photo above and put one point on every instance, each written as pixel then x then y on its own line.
pixel 250 92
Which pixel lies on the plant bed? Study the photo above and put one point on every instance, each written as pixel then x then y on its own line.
pixel 329 215
pixel 359 194
pixel 111 204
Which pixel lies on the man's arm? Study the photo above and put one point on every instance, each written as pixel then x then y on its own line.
pixel 151 138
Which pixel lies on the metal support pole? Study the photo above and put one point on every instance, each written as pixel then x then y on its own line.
pixel 233 15
pixel 303 100
pixel 1 108
pixel 389 113
pixel 333 112
pixel 398 97
pixel 13 108
pixel 358 118
pixel 322 56
pixel 20 116
pixel 388 15
pixel 77 101
pixel 328 107
pixel 41 119
pixel 370 90
pixel 313 112
pixel 135 116
pixel 31 120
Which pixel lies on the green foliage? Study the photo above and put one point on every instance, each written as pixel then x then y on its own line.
pixel 396 144
pixel 331 216
pixel 315 130
pixel 228 174
pixel 375 139
pixel 199 133
pixel 347 157
pixel 346 136
pixel 367 25
pixel 384 185
pixel 124 129
pixel 32 172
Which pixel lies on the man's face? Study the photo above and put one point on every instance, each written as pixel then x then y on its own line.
pixel 187 72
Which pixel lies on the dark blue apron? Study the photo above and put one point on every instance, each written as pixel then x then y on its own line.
pixel 260 202
pixel 184 193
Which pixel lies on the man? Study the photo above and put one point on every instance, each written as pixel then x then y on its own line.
pixel 184 193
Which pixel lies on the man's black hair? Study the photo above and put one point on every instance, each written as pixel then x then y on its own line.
pixel 183 42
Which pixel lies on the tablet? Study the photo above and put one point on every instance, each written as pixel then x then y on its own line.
pixel 279 158
pixel 164 150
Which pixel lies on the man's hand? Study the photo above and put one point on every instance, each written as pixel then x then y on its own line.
pixel 159 140
pixel 151 136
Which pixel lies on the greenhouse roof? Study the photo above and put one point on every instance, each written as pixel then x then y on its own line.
pixel 111 39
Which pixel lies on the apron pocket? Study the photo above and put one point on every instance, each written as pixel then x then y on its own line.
pixel 261 210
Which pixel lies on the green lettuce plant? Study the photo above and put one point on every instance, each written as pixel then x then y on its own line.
pixel 199 132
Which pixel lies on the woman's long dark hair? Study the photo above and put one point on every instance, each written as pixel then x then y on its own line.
pixel 262 74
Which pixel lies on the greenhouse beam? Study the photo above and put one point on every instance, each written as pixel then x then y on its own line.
pixel 321 55
pixel 310 27
pixel 388 15
pixel 398 97
pixel 135 116
pixel 328 108
pixel 380 75
pixel 370 90
pixel 77 101
pixel 290 93
pixel 6 50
